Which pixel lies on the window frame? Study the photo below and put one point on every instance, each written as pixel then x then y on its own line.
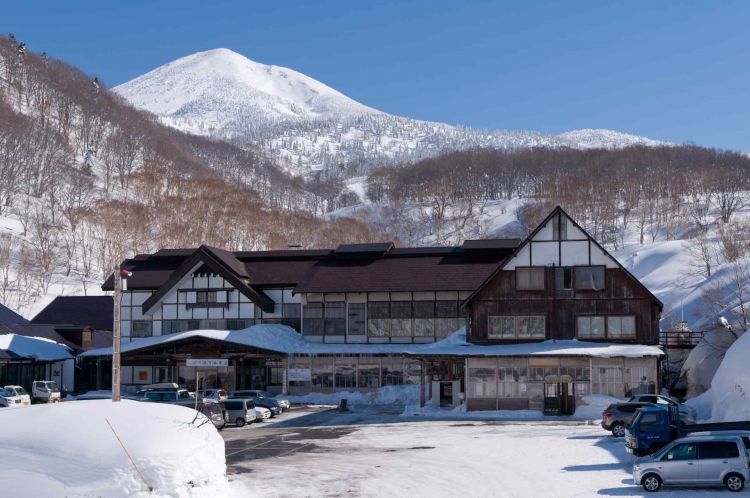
pixel 606 336
pixel 150 327
pixel 517 320
pixel 578 269
pixel 531 288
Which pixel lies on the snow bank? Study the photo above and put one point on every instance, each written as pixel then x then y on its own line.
pixel 388 395
pixel 728 399
pixel 703 361
pixel 69 449
pixel 592 409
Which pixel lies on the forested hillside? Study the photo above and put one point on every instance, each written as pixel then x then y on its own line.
pixel 86 180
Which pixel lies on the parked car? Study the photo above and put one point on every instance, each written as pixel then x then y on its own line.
pixel 20 393
pixel 215 394
pixel 687 413
pixel 176 396
pixel 45 391
pixel 266 402
pixel 259 393
pixel 262 413
pixel 241 411
pixel 9 399
pixel 699 459
pixel 618 415
pixel 215 412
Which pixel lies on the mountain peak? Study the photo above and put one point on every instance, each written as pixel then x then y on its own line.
pixel 234 93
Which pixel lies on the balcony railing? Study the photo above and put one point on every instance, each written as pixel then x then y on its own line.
pixel 680 338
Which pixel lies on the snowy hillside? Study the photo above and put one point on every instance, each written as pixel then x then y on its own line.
pixel 307 126
pixel 604 139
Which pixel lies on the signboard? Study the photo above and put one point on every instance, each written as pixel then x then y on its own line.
pixel 299 375
pixel 207 362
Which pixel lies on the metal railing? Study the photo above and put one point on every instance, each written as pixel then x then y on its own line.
pixel 680 338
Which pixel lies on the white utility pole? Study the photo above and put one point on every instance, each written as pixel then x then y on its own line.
pixel 116 336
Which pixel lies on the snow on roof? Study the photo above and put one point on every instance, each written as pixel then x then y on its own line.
pixel 286 340
pixel 456 345
pixel 36 348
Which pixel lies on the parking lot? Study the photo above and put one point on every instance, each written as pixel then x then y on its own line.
pixel 372 451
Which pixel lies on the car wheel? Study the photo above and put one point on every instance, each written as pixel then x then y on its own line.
pixel 618 430
pixel 651 482
pixel 734 482
pixel 240 422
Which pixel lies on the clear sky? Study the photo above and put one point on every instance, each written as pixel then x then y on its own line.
pixel 677 71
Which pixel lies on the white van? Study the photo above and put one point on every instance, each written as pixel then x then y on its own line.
pixel 45 391
pixel 240 411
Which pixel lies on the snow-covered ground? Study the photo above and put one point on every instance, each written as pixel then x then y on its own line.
pixel 76 449
pixel 430 458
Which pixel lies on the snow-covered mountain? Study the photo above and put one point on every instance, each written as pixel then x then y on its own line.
pixel 307 126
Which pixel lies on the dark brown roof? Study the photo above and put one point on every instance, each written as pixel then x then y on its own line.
pixel 8 316
pixel 484 244
pixel 350 268
pixel 83 311
pixel 396 274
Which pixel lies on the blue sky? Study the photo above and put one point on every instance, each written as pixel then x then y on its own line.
pixel 677 71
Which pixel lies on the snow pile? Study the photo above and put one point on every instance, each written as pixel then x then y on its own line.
pixel 728 399
pixel 704 360
pixel 388 395
pixel 592 409
pixel 69 449
pixel 38 348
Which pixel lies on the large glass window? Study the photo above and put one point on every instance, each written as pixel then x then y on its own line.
pixel 335 318
pixel 589 278
pixel 141 328
pixel 322 372
pixel 530 279
pixel 621 327
pixel 517 327
pixel 401 314
pixel 346 373
pixel 368 373
pixel 312 318
pixel 291 315
pixel 357 318
pixel 378 318
pixel 590 327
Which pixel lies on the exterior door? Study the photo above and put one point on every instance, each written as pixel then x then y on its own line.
pixel 680 464
pixel 715 457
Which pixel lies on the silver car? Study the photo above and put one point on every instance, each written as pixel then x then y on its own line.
pixel 241 411
pixel 713 459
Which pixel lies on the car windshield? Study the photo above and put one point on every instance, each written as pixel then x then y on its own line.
pixel 264 394
pixel 20 391
pixel 5 394
pixel 52 386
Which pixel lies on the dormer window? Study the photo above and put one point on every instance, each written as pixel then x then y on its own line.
pixel 209 299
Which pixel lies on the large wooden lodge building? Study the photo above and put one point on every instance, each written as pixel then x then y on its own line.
pixel 497 324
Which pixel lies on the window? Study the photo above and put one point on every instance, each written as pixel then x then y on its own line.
pixel 203 297
pixel 687 451
pixel 589 278
pixel 291 314
pixel 559 228
pixel 357 318
pixel 446 309
pixel 378 318
pixel 530 279
pixel 312 317
pixel 621 327
pixel 718 449
pixel 563 278
pixel 335 318
pixel 501 327
pixel 516 327
pixel 424 318
pixel 401 314
pixel 141 328
pixel 590 327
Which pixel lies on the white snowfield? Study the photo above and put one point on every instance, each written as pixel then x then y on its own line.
pixel 38 348
pixel 69 449
pixel 448 459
